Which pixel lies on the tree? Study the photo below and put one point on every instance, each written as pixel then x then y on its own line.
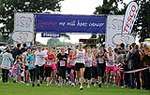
pixel 9 7
pixel 53 42
pixel 65 35
pixel 142 25
pixel 110 7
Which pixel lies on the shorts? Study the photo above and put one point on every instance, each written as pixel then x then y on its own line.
pixel 78 66
pixel 101 69
pixel 94 72
pixel 88 73
pixel 109 69
pixel 39 72
pixel 53 67
pixel 32 74
pixel 48 71
pixel 116 69
pixel 62 72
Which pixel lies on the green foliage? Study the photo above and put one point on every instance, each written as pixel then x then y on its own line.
pixel 142 25
pixel 94 36
pixel 110 7
pixel 55 42
pixel 4 39
pixel 65 35
pixel 9 7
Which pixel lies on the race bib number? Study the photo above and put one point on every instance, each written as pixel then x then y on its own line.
pixel 110 62
pixel 72 62
pixel 62 63
pixel 49 62
pixel 100 60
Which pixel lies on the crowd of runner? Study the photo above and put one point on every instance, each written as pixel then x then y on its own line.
pixel 78 66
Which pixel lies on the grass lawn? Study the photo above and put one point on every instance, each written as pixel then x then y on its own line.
pixel 22 89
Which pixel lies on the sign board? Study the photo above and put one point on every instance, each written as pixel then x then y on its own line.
pixel 24 22
pixel 23 37
pixel 114 33
pixel 48 34
pixel 70 23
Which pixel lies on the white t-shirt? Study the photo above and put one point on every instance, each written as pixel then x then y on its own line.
pixel 40 58
pixel 80 56
pixel 111 60
pixel 45 51
pixel 88 61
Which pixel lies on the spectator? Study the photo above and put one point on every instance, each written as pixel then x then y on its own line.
pixel 146 73
pixel 24 48
pixel 16 51
pixel 7 62
pixel 134 58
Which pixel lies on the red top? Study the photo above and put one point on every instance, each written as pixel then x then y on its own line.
pixel 51 56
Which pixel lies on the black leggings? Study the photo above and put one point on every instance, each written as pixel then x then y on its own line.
pixel 5 75
pixel 32 75
pixel 62 72
pixel 88 73
pixel 101 69
pixel 47 71
pixel 39 72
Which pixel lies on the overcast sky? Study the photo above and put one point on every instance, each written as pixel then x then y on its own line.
pixel 86 7
pixel 81 6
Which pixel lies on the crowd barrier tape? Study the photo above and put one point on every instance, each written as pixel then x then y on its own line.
pixel 137 70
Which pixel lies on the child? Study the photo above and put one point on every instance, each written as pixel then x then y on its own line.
pixel 16 69
pixel 71 66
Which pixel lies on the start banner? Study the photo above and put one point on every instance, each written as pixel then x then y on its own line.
pixel 70 23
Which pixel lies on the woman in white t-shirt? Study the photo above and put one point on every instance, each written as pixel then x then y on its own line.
pixel 40 57
pixel 110 65
pixel 80 65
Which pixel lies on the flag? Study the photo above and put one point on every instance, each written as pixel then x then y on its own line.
pixel 130 17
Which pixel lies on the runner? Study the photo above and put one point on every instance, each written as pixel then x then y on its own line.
pixel 100 59
pixel 71 66
pixel 30 58
pixel 80 65
pixel 62 63
pixel 51 58
pixel 110 66
pixel 40 56
pixel 88 67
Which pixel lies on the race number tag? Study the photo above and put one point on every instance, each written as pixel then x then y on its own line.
pixel 62 63
pixel 49 62
pixel 72 62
